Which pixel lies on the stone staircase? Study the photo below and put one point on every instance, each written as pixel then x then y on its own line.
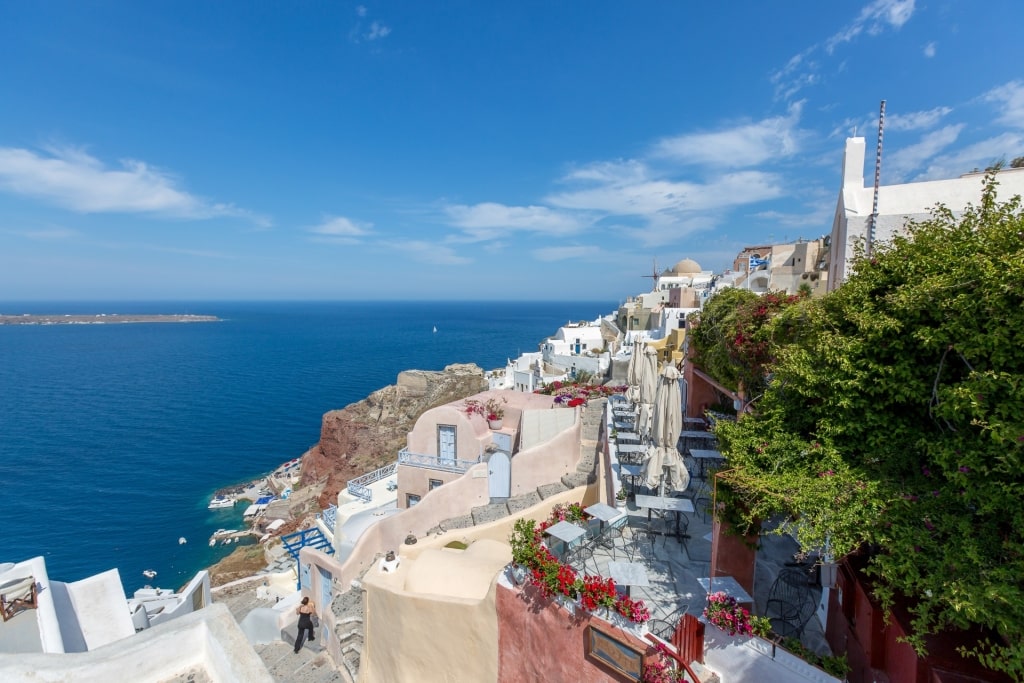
pixel 312 665
pixel 349 614
pixel 309 665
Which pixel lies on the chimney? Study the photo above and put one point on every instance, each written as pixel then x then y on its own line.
pixel 853 163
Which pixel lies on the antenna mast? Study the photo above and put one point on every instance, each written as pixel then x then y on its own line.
pixel 878 173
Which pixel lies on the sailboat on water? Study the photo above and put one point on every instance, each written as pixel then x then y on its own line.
pixel 435 329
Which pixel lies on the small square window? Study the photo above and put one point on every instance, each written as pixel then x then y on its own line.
pixel 434 483
pixel 411 499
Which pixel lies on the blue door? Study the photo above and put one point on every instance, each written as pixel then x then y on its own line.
pixel 446 445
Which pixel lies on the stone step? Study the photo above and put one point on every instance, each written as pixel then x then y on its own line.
pixel 288 637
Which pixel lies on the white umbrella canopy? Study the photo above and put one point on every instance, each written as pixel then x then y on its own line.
pixel 648 389
pixel 665 465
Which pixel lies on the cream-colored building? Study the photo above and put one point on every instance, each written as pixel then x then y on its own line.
pixel 897 204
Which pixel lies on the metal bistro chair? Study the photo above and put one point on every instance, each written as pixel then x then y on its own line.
pixel 790 603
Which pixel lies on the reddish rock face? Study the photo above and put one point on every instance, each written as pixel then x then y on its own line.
pixel 368 434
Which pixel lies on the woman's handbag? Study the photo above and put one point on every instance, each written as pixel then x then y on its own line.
pixel 315 619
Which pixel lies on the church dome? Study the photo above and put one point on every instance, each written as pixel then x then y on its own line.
pixel 687 267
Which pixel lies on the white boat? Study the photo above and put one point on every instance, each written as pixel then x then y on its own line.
pixel 149 573
pixel 182 541
pixel 223 535
pixel 221 502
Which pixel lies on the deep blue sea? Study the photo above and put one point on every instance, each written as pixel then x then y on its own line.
pixel 114 437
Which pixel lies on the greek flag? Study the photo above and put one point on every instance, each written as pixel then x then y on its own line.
pixel 756 263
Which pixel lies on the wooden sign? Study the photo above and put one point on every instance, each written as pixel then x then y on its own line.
pixel 614 654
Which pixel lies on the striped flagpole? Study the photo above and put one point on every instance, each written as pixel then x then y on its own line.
pixel 878 174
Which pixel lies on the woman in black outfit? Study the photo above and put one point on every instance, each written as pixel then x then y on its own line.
pixel 305 612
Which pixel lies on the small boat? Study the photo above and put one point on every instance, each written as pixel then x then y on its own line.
pixel 182 541
pixel 435 329
pixel 221 502
pixel 222 535
pixel 149 573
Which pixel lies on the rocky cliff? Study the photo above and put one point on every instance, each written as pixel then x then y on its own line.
pixel 368 434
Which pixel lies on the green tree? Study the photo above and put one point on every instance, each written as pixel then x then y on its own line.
pixel 895 418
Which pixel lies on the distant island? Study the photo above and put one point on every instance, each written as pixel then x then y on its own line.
pixel 102 319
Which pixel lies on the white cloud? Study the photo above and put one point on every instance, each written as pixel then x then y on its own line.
pixel 1010 97
pixel 360 10
pixel 929 50
pixel 801 71
pixel 429 252
pixel 489 220
pixel 565 253
pixel 915 120
pixel 668 229
pixel 377 30
pixel 340 228
pixel 873 18
pixel 647 197
pixel 976 156
pixel 75 180
pixel 743 145
pixel 907 159
pixel 820 217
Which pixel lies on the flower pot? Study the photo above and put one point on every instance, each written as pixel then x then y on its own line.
pixel 495 424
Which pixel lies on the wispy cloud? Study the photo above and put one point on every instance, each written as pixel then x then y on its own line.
pixel 908 159
pixel 873 18
pixel 428 252
pixel 1010 98
pixel 565 253
pixel 377 31
pixel 646 196
pixel 747 144
pixel 973 157
pixel 929 50
pixel 340 230
pixel 73 179
pixel 802 71
pixel 490 220
pixel 915 120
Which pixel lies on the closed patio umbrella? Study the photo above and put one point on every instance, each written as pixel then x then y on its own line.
pixel 648 389
pixel 633 370
pixel 665 466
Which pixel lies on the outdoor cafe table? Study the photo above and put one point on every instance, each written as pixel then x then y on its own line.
pixel 727 585
pixel 688 434
pixel 703 456
pixel 626 435
pixel 628 574
pixel 629 448
pixel 674 505
pixel 630 474
pixel 566 532
pixel 621 425
pixel 700 421
pixel 602 513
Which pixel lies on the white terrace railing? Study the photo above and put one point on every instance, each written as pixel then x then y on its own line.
pixel 328 517
pixel 434 462
pixel 360 486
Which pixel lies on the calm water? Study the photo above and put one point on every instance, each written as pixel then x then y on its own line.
pixel 113 438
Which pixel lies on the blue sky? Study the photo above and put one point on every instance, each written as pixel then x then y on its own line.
pixel 463 150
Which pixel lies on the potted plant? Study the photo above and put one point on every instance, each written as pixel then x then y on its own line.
pixel 620 499
pixel 492 410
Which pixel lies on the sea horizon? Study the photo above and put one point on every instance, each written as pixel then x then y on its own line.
pixel 125 431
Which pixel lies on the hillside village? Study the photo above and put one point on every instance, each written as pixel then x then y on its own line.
pixel 486 503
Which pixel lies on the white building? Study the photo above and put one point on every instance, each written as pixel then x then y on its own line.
pixel 581 346
pixel 897 204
